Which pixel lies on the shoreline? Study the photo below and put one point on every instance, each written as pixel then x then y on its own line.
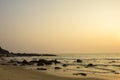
pixel 55 69
pixel 8 72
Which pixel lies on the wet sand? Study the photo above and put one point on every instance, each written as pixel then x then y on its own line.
pixel 8 72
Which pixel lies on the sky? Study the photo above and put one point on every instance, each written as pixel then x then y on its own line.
pixel 60 26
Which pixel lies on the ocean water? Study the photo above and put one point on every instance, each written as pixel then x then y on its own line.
pixel 92 56
pixel 107 66
pixel 75 56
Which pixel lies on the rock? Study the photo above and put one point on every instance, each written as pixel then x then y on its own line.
pixel 113 71
pixel 57 68
pixel 12 61
pixel 46 62
pixel 15 64
pixel 90 65
pixel 41 69
pixel 77 67
pixel 82 74
pixel 42 60
pixel 112 62
pixel 79 61
pixel 4 52
pixel 24 62
pixel 55 61
pixel 40 64
pixel 33 62
pixel 65 65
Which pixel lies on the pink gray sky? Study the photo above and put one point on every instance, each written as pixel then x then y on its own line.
pixel 60 26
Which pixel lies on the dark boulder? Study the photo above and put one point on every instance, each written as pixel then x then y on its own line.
pixel 41 69
pixel 79 61
pixel 33 62
pixel 77 67
pixel 24 62
pixel 57 68
pixel 40 64
pixel 90 65
pixel 4 52
pixel 82 74
pixel 46 62
pixel 65 65
pixel 55 61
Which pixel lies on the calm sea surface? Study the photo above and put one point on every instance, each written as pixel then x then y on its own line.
pixel 91 56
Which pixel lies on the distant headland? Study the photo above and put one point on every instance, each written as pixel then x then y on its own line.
pixel 6 53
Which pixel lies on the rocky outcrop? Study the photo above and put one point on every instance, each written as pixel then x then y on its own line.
pixel 4 52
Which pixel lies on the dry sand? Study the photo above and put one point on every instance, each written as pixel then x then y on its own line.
pixel 8 72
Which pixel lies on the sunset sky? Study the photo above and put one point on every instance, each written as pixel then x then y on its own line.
pixel 60 26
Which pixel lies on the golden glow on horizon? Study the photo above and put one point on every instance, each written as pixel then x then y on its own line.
pixel 60 26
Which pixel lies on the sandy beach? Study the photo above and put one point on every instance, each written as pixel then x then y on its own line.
pixel 59 39
pixel 8 72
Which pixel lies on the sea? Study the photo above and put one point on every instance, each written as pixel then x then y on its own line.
pixel 100 65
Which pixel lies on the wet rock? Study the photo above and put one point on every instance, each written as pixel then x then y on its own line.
pixel 24 62
pixel 77 67
pixel 42 60
pixel 57 68
pixel 11 61
pixel 79 61
pixel 65 65
pixel 33 62
pixel 46 62
pixel 41 69
pixel 40 64
pixel 113 71
pixel 56 61
pixel 112 62
pixel 15 64
pixel 82 74
pixel 90 65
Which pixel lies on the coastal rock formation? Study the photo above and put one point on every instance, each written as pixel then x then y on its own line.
pixel 6 53
pixel 3 52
